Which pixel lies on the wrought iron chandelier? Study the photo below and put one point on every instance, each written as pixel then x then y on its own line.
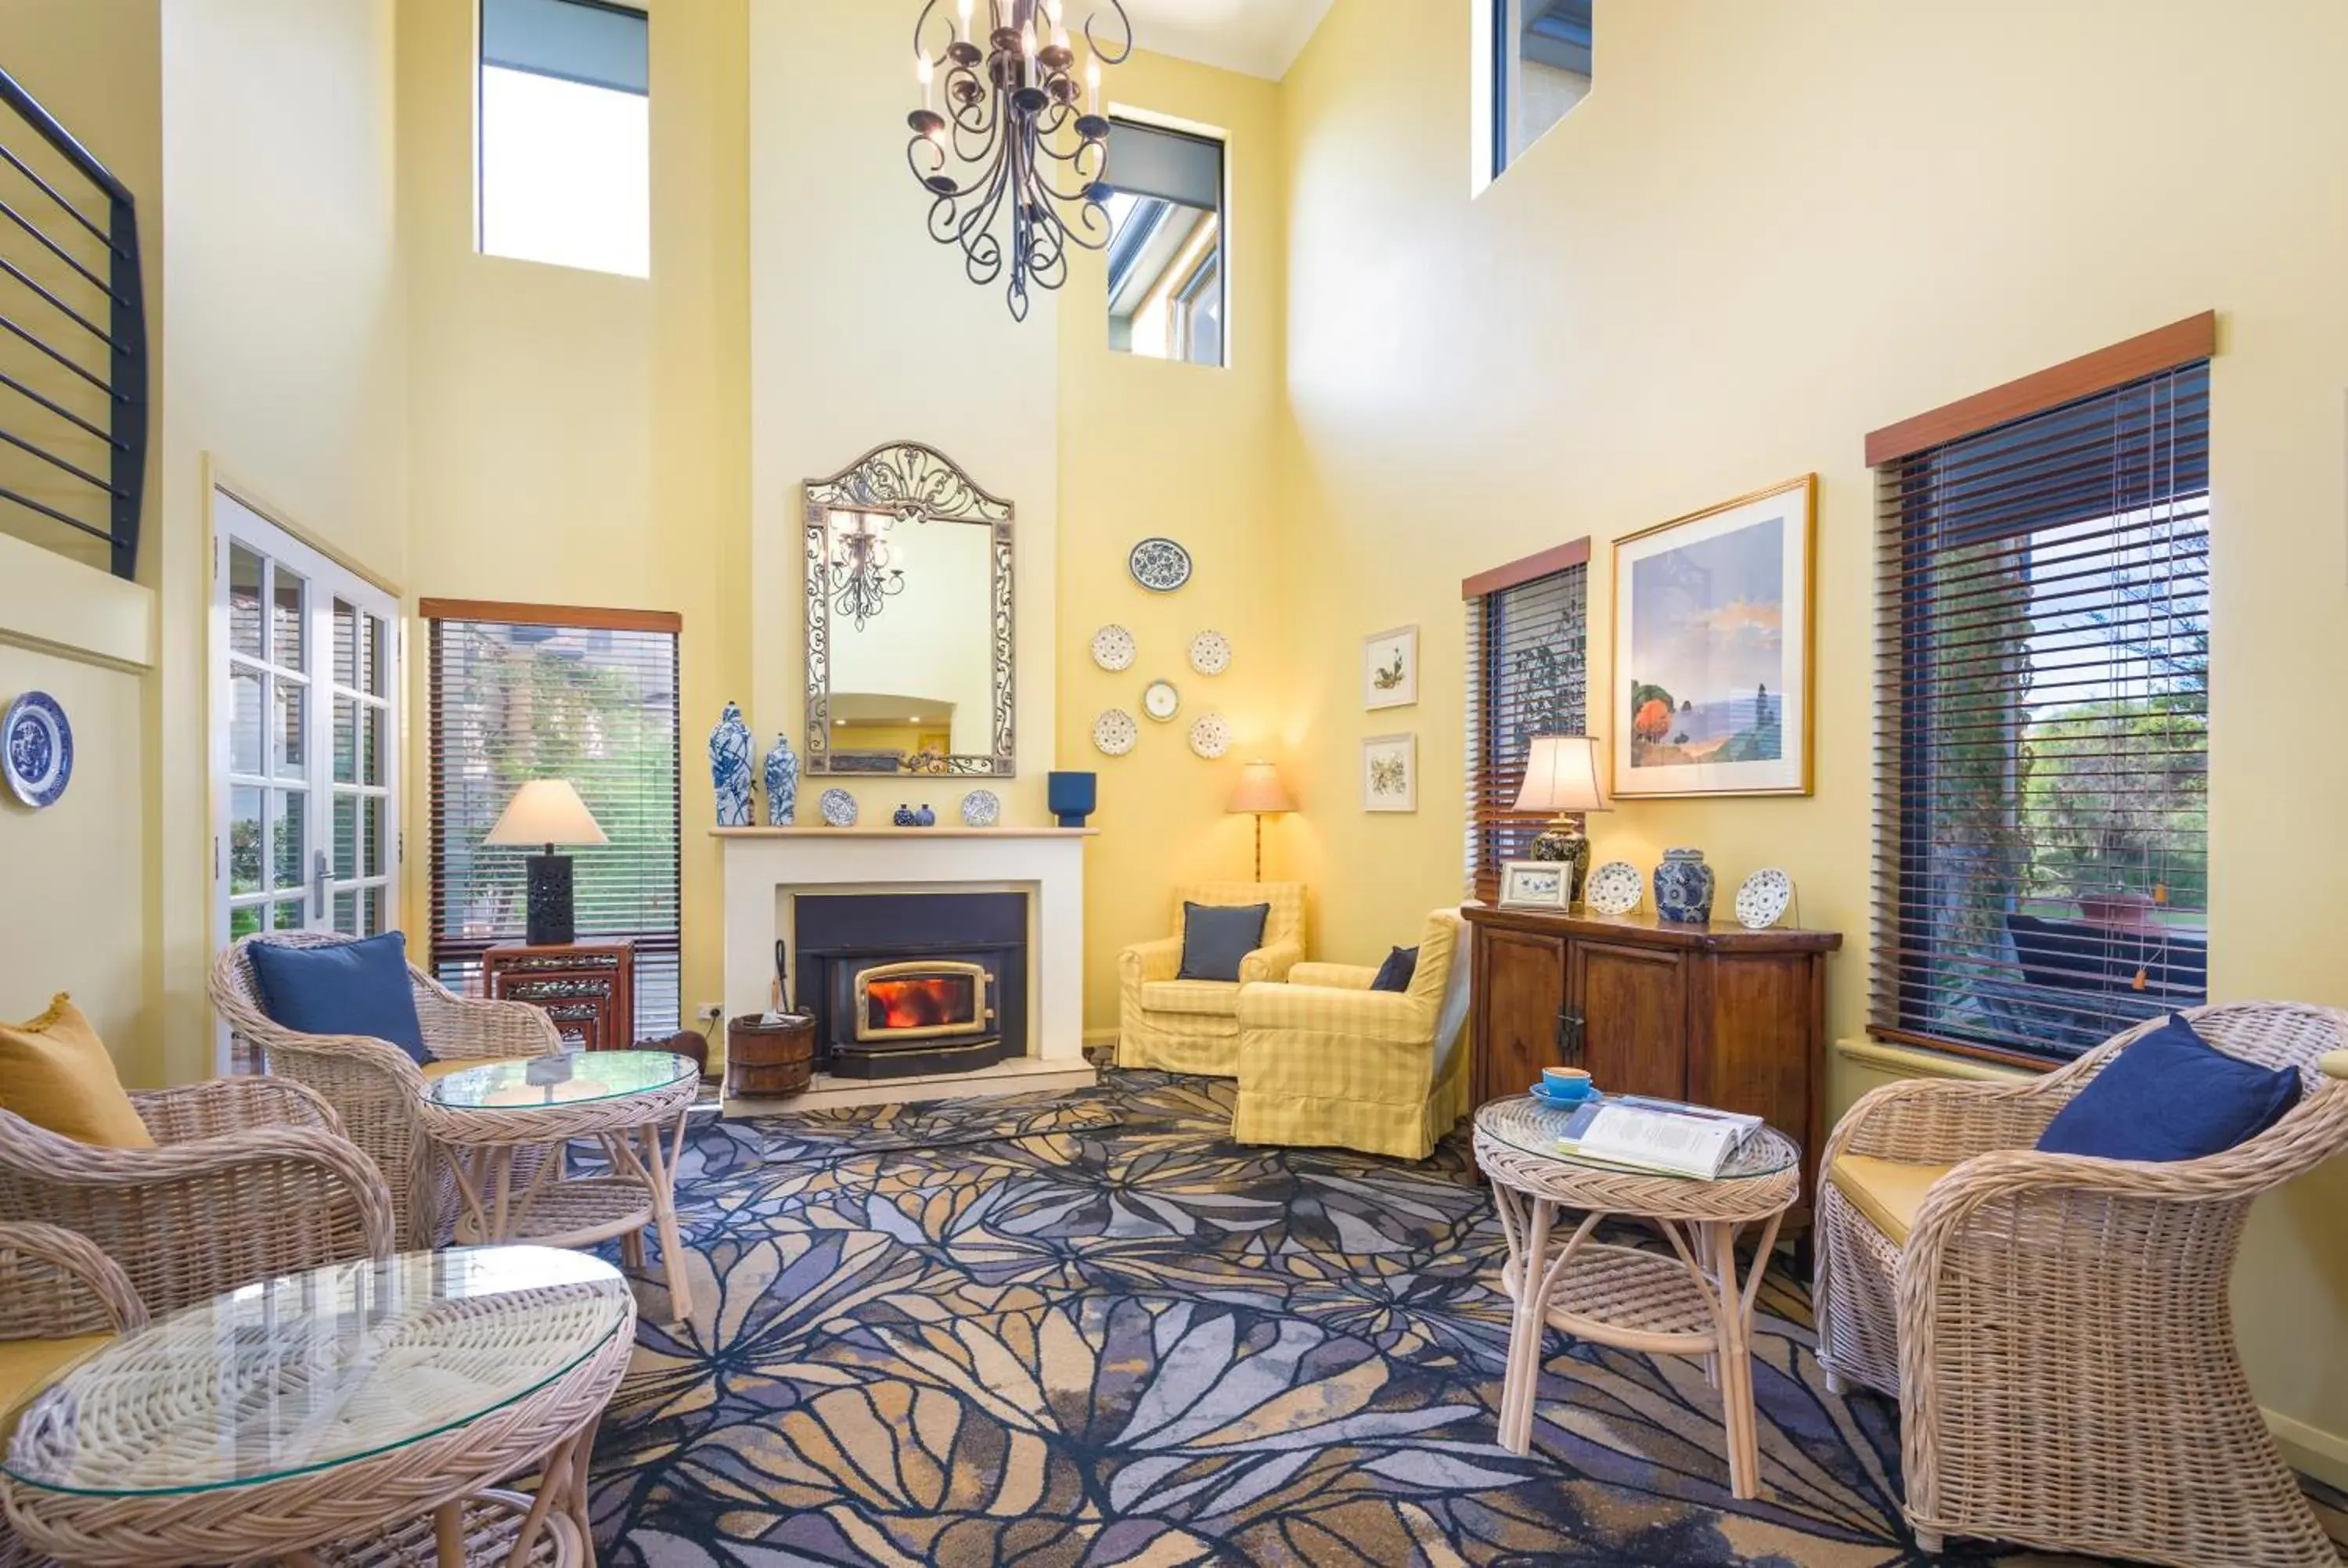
pixel 1013 137
pixel 864 569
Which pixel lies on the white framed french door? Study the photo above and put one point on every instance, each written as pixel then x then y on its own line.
pixel 304 744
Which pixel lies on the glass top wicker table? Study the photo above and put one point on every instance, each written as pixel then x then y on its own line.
pixel 1689 1301
pixel 355 1414
pixel 507 1126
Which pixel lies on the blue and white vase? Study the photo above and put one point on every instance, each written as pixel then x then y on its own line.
pixel 1684 887
pixel 905 817
pixel 782 784
pixel 729 767
pixel 925 817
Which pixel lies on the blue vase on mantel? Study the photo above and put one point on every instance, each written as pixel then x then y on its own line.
pixel 729 767
pixel 782 784
pixel 1684 887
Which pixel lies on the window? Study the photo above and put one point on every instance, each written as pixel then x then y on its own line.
pixel 583 695
pixel 1528 635
pixel 1540 70
pixel 2044 791
pixel 1164 200
pixel 565 128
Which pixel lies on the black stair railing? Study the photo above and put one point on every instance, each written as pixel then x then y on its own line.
pixel 76 408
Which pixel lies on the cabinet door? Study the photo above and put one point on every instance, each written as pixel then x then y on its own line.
pixel 1633 1007
pixel 1523 990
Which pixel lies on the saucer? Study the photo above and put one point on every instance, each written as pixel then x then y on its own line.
pixel 1540 1091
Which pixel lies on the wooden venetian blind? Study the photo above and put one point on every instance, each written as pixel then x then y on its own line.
pixel 1527 643
pixel 2043 644
pixel 521 692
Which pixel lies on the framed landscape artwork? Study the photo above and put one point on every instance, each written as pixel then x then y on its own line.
pixel 1390 773
pixel 1712 649
pixel 1390 669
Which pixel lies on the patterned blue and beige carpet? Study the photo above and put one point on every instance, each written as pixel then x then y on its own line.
pixel 1092 1331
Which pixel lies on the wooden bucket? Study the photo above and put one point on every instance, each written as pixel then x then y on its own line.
pixel 769 1060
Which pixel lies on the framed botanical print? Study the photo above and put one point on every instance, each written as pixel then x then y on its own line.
pixel 1712 634
pixel 1390 669
pixel 1390 773
pixel 1536 885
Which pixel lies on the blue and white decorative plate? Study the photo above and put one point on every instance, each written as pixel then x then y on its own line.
pixel 981 808
pixel 1160 565
pixel 37 748
pixel 839 808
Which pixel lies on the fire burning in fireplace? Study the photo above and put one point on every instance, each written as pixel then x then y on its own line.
pixel 916 1001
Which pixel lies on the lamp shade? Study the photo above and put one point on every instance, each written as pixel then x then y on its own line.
pixel 546 811
pixel 1562 776
pixel 1261 790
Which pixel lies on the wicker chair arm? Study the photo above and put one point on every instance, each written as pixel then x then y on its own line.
pixel 55 1285
pixel 1939 1121
pixel 1270 962
pixel 461 1028
pixel 1145 961
pixel 232 1105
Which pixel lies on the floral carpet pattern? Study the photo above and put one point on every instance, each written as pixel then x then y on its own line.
pixel 1091 1331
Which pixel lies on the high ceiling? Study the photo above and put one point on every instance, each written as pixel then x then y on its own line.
pixel 1262 37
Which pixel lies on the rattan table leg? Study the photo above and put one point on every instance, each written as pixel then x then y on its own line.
pixel 661 1166
pixel 449 1534
pixel 1528 1247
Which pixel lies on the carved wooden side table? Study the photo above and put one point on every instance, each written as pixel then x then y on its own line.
pixel 588 989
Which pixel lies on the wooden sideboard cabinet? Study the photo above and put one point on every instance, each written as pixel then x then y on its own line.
pixel 1716 1015
pixel 588 989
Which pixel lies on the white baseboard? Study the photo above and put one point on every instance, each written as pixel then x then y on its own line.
pixel 2310 1450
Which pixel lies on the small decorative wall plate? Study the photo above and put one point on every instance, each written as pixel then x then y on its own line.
pixel 839 808
pixel 1764 898
pixel 1114 732
pixel 1614 888
pixel 1161 701
pixel 1161 565
pixel 1210 737
pixel 981 808
pixel 1113 648
pixel 37 748
pixel 1210 654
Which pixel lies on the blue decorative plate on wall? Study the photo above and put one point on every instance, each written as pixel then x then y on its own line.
pixel 37 748
pixel 1160 565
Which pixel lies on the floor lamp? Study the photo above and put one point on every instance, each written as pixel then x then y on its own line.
pixel 1260 795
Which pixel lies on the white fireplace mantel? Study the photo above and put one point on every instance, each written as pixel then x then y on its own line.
pixel 768 867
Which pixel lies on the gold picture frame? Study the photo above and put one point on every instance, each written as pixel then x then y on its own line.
pixel 1706 603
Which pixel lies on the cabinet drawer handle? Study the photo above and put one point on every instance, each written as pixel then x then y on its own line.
pixel 1568 1036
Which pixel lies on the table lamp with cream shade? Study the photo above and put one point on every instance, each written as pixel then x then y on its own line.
pixel 1260 795
pixel 548 812
pixel 1562 776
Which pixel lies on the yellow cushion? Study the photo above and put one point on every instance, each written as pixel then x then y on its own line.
pixel 1888 1191
pixel 437 1070
pixel 1218 999
pixel 30 1365
pixel 54 1073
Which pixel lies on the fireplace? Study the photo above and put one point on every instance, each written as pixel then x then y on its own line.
pixel 912 984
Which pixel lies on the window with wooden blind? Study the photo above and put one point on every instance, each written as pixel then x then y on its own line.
pixel 2043 645
pixel 521 692
pixel 1528 640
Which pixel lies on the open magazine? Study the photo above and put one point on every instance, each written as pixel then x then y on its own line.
pixel 1656 1135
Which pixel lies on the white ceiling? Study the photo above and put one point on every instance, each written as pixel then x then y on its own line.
pixel 1260 37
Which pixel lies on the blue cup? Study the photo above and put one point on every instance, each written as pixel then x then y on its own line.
pixel 1567 1085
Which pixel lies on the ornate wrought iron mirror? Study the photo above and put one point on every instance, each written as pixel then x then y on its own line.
pixel 909 619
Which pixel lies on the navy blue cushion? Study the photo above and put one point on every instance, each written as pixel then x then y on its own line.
pixel 2172 1095
pixel 1215 937
pixel 1394 975
pixel 341 988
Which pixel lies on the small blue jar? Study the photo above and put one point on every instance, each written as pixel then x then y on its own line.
pixel 1684 887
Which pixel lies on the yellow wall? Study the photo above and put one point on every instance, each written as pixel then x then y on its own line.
pixel 1720 272
pixel 1150 448
pixel 579 437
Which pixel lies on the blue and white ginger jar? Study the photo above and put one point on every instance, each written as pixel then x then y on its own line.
pixel 1684 887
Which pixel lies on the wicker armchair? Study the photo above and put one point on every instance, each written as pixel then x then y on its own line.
pixel 2056 1328
pixel 250 1178
pixel 372 1084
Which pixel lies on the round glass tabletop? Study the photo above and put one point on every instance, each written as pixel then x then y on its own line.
pixel 312 1370
pixel 1524 1123
pixel 572 1079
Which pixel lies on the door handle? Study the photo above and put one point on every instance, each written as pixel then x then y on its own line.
pixel 1570 1036
pixel 318 884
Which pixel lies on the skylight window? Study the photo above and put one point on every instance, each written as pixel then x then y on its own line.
pixel 1542 61
pixel 566 135
pixel 1166 289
